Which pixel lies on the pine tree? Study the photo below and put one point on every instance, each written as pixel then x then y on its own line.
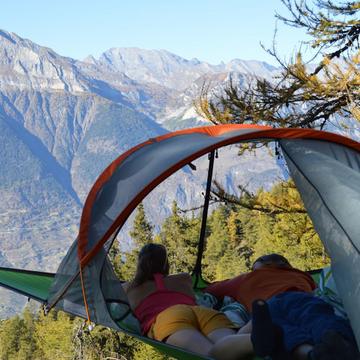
pixel 11 332
pixel 180 235
pixel 54 336
pixel 17 337
pixel 228 248
pixel 115 257
pixel 239 248
pixel 141 234
pixel 216 243
pixel 27 344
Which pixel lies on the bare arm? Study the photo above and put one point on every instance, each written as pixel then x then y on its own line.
pixel 180 282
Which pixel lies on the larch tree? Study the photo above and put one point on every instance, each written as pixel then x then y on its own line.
pixel 305 93
pixel 288 233
pixel 319 86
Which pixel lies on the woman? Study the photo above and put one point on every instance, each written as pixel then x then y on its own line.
pixel 166 308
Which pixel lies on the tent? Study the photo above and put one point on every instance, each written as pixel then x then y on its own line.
pixel 324 166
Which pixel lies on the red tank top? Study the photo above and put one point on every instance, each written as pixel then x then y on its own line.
pixel 158 301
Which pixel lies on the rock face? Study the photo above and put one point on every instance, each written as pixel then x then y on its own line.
pixel 167 69
pixel 62 121
pixel 24 65
pixel 182 78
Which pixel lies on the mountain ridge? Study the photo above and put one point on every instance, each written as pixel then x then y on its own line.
pixel 62 121
pixel 119 59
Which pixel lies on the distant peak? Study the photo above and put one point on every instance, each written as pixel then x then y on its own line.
pixel 9 36
pixel 136 51
pixel 195 61
pixel 90 59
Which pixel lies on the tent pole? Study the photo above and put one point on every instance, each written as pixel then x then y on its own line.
pixel 197 269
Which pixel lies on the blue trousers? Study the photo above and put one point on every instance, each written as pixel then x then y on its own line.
pixel 304 318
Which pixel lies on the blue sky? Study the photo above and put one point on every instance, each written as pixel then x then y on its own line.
pixel 209 30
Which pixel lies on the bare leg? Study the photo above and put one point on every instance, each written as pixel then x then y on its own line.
pixel 191 339
pixel 232 347
pixel 218 334
pixel 302 351
pixel 246 329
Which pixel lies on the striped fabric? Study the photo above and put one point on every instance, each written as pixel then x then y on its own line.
pixel 328 292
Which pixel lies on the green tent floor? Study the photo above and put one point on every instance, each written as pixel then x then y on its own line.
pixel 33 284
pixel 36 285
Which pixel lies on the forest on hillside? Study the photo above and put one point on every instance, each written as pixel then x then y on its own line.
pixel 236 235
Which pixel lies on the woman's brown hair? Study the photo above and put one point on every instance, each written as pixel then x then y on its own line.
pixel 152 259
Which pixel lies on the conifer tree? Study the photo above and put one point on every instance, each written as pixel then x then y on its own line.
pixel 17 337
pixel 11 333
pixel 216 243
pixel 141 234
pixel 228 249
pixel 238 235
pixel 288 233
pixel 309 91
pixel 239 247
pixel 54 336
pixel 302 95
pixel 27 348
pixel 180 236
pixel 116 258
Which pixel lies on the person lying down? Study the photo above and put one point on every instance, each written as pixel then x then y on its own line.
pixel 288 320
pixel 166 309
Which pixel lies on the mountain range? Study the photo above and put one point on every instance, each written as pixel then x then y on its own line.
pixel 62 121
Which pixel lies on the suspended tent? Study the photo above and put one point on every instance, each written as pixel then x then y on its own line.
pixel 324 166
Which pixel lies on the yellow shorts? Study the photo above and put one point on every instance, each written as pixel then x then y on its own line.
pixel 180 317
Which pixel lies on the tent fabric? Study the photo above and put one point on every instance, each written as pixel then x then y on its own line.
pixel 100 282
pixel 327 176
pixel 122 186
pixel 33 284
pixel 325 167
